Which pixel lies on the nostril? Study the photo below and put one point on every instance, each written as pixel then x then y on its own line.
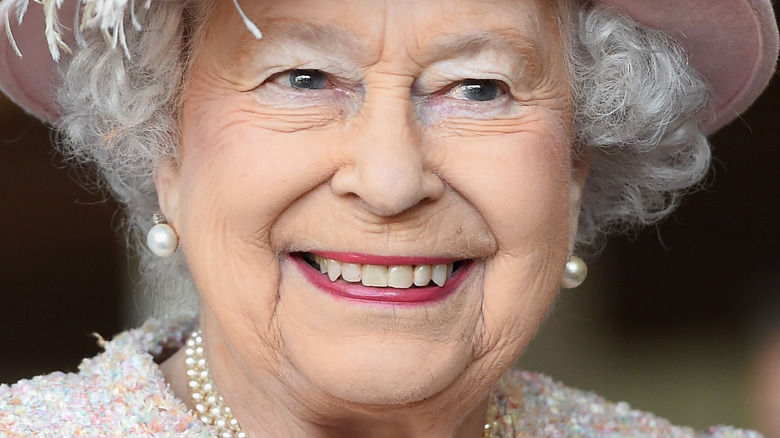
pixel 387 190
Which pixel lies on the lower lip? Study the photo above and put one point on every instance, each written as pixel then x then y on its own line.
pixel 383 295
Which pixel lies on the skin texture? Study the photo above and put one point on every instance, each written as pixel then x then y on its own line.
pixel 391 158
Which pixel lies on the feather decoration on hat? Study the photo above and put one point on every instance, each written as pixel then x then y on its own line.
pixel 21 9
pixel 106 15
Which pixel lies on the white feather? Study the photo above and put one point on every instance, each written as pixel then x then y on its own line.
pixel 107 16
pixel 252 27
pixel 21 9
pixel 10 35
pixel 52 29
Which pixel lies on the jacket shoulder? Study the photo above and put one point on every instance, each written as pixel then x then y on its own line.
pixel 542 407
pixel 120 392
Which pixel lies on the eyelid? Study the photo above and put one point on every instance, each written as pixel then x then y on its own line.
pixel 435 83
pixel 273 63
pixel 477 66
pixel 285 73
pixel 503 87
pixel 335 80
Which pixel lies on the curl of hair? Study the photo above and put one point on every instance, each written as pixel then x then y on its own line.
pixel 120 115
pixel 635 101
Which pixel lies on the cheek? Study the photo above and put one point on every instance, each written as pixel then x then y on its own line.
pixel 248 174
pixel 518 182
pixel 235 181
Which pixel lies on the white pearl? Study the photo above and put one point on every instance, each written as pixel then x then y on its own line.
pixel 575 273
pixel 162 240
pixel 209 405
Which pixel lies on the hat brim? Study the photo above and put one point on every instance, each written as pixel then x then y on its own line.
pixel 732 43
pixel 31 80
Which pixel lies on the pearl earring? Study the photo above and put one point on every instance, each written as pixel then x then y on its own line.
pixel 575 272
pixel 162 238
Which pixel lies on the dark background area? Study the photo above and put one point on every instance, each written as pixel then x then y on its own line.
pixel 711 270
pixel 61 263
pixel 715 264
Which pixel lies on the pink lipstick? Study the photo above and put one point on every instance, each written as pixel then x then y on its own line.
pixel 356 291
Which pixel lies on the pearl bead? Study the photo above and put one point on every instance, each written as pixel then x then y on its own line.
pixel 209 405
pixel 575 273
pixel 162 240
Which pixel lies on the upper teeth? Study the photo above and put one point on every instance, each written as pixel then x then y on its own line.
pixel 396 276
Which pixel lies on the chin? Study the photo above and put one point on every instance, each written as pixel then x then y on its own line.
pixel 375 351
pixel 389 373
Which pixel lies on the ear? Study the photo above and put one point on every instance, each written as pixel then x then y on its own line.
pixel 166 180
pixel 581 158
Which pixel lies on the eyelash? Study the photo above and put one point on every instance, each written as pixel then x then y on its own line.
pixel 440 100
pixel 495 88
pixel 499 89
pixel 280 77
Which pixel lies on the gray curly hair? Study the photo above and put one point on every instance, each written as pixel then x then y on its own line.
pixel 635 99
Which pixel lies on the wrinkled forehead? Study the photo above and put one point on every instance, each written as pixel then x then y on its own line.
pixel 366 28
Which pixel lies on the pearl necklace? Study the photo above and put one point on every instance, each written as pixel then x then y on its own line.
pixel 210 406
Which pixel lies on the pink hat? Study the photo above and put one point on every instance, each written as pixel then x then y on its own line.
pixel 733 43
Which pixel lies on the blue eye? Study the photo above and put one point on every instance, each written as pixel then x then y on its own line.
pixel 480 90
pixel 308 79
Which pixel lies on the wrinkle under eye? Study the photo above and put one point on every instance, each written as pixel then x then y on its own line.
pixel 308 79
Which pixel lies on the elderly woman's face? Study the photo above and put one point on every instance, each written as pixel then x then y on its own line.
pixel 381 139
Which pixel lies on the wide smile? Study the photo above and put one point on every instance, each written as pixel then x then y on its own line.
pixel 399 280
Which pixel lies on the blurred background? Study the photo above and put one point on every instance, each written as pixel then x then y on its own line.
pixel 682 319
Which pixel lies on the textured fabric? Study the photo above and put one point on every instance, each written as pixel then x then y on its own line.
pixel 122 393
pixel 537 406
pixel 119 393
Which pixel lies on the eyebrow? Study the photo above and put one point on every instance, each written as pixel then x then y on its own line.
pixel 325 38
pixel 526 53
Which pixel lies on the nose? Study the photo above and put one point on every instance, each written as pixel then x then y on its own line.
pixel 386 167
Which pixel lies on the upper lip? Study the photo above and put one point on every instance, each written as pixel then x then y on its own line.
pixel 385 260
